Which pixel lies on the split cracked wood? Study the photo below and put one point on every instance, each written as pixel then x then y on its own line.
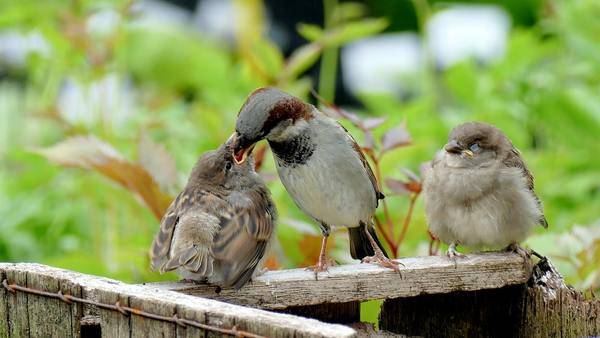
pixel 27 309
pixel 362 282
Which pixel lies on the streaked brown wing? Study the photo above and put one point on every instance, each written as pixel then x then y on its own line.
pixel 514 160
pixel 243 238
pixel 189 202
pixel 159 252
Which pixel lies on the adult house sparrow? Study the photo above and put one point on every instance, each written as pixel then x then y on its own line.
pixel 479 192
pixel 219 226
pixel 320 165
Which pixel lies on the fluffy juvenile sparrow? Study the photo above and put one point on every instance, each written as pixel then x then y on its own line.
pixel 219 226
pixel 479 192
pixel 320 165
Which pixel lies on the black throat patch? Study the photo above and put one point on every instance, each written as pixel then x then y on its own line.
pixel 293 152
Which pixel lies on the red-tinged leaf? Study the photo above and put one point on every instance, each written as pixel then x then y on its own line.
pixel 414 186
pixel 271 263
pixel 351 117
pixel 369 143
pixel 158 162
pixel 397 187
pixel 90 153
pixel 410 175
pixel 259 157
pixel 373 122
pixel 395 138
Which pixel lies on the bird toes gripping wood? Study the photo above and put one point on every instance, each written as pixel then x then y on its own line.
pixel 526 254
pixel 321 266
pixel 383 261
pixel 453 254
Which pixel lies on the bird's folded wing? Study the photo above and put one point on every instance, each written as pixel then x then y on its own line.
pixel 514 160
pixel 193 206
pixel 365 163
pixel 242 241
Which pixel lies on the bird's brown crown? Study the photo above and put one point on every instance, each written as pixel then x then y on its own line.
pixel 485 135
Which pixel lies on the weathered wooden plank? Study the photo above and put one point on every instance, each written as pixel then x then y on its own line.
pixel 47 317
pixel 144 327
pixel 545 307
pixel 252 320
pixel 4 329
pixel 76 310
pixel 18 319
pixel 550 308
pixel 361 282
pixel 112 323
pixel 190 331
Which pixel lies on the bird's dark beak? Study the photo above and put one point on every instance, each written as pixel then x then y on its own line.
pixel 453 147
pixel 242 147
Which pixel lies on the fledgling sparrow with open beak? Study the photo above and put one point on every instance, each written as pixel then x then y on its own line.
pixel 320 165
pixel 479 192
pixel 218 228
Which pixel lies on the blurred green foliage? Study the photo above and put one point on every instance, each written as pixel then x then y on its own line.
pixel 182 90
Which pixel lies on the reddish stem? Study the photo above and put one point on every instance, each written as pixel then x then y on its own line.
pixel 407 218
pixel 386 211
pixel 386 237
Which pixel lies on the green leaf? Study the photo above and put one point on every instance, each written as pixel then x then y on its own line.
pixel 353 31
pixel 346 11
pixel 310 32
pixel 266 57
pixel 300 60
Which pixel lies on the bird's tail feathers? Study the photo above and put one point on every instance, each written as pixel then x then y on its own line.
pixel 360 246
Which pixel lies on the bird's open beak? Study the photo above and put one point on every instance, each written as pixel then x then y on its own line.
pixel 241 149
pixel 241 155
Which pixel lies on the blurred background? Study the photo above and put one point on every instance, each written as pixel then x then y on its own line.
pixel 106 105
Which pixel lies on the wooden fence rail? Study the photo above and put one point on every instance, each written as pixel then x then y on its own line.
pixel 28 315
pixel 486 295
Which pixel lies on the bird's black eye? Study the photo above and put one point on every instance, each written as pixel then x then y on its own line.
pixel 474 147
pixel 228 166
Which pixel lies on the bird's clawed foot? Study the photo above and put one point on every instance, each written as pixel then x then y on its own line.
pixel 321 266
pixel 381 260
pixel 452 253
pixel 516 248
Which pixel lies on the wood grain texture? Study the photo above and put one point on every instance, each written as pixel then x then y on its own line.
pixel 18 319
pixel 361 282
pixel 565 314
pixel 544 307
pixel 4 328
pixel 142 327
pixel 47 317
pixel 148 298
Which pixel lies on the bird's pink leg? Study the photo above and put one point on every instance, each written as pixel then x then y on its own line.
pixel 379 258
pixel 323 263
